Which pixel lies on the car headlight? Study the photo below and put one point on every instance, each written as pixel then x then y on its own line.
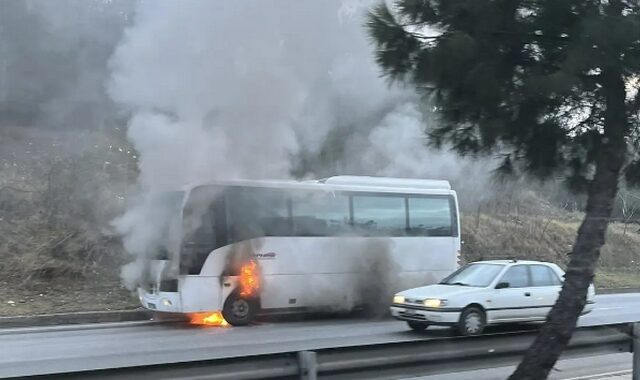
pixel 166 302
pixel 398 299
pixel 434 302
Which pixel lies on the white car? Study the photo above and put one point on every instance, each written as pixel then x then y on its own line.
pixel 485 293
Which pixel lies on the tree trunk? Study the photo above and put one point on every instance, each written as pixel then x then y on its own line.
pixel 556 332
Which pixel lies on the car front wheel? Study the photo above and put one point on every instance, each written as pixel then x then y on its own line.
pixel 418 326
pixel 472 321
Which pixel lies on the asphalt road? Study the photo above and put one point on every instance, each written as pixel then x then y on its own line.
pixel 32 351
pixel 614 366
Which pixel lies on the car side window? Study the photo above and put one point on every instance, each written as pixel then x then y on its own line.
pixel 542 275
pixel 517 276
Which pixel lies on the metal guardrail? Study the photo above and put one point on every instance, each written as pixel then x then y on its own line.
pixel 383 361
pixel 635 348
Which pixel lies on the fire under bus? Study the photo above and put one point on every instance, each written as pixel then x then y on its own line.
pixel 235 249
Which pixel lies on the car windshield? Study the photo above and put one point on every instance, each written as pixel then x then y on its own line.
pixel 476 275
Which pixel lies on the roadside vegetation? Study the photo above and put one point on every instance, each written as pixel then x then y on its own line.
pixel 550 239
pixel 58 196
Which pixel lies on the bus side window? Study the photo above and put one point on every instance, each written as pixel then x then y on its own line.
pixel 379 215
pixel 430 216
pixel 320 214
pixel 256 212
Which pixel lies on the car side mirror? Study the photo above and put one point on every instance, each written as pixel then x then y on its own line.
pixel 502 285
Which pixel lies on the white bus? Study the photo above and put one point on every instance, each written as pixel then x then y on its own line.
pixel 247 247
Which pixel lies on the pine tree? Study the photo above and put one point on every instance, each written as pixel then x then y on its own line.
pixel 551 86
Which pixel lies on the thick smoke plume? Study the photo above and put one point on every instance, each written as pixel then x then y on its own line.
pixel 242 89
pixel 53 58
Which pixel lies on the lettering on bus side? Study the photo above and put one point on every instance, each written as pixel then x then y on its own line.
pixel 265 256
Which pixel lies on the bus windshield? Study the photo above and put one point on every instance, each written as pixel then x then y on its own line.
pixel 202 227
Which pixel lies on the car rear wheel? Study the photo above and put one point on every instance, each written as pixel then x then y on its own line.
pixel 472 321
pixel 418 326
pixel 240 311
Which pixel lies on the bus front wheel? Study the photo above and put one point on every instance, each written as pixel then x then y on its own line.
pixel 240 311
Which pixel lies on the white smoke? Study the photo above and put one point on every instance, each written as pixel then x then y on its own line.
pixel 398 147
pixel 237 89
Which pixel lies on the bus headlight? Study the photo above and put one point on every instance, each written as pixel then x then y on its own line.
pixel 166 302
pixel 434 302
pixel 398 299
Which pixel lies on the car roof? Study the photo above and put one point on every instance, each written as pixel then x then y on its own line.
pixel 512 262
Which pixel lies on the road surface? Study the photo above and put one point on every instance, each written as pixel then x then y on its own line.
pixel 32 351
pixel 614 366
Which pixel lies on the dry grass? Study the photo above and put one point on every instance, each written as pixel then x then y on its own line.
pixel 551 239
pixel 49 270
pixel 617 278
pixel 56 201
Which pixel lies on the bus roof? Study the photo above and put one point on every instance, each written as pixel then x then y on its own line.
pixel 344 183
pixel 387 182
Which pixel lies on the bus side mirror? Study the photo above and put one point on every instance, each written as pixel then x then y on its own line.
pixel 502 285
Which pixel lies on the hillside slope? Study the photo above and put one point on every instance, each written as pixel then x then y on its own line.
pixel 551 238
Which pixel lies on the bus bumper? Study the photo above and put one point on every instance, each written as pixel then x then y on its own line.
pixel 168 302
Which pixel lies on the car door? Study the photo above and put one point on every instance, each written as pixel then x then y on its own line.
pixel 514 302
pixel 545 288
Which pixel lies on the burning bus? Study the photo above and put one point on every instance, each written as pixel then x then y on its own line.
pixel 233 249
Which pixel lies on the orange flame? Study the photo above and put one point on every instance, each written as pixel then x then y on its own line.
pixel 249 279
pixel 208 319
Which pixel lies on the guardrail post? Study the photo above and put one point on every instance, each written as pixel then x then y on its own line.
pixel 636 351
pixel 308 365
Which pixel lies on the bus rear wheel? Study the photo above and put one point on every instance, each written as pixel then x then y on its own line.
pixel 240 311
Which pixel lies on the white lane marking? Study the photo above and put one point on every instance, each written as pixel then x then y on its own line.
pixel 610 308
pixel 602 375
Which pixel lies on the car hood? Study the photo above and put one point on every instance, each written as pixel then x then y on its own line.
pixel 438 291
